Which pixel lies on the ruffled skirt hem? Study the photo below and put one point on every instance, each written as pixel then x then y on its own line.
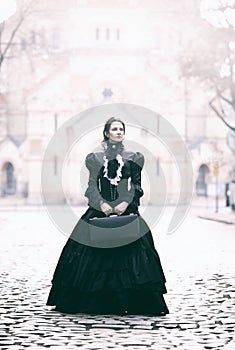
pixel 132 302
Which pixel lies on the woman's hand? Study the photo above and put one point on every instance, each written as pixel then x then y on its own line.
pixel 120 208
pixel 106 208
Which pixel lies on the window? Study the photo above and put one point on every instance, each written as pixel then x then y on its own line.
pixel 157 167
pixel 117 33
pixel 55 165
pixel 97 34
pixel 9 185
pixel 107 34
pixel 55 122
pixel 107 93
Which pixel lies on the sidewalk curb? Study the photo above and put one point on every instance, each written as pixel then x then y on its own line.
pixel 223 221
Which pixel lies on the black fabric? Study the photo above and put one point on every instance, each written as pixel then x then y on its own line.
pixel 123 280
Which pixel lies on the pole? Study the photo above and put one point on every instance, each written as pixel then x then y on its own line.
pixel 217 195
pixel 232 187
pixel 216 174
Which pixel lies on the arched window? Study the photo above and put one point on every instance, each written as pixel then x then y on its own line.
pixel 9 181
pixel 201 185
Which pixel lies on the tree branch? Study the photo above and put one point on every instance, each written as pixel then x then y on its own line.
pixel 220 115
pixel 2 25
pixel 232 90
pixel 12 37
pixel 24 14
pixel 223 8
pixel 224 98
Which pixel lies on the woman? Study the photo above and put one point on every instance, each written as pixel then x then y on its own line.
pixel 121 280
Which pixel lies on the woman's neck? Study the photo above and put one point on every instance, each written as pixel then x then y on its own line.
pixel 114 146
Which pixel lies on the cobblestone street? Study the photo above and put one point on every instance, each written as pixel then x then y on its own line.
pixel 198 261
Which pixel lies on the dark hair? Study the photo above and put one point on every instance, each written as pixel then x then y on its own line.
pixel 108 124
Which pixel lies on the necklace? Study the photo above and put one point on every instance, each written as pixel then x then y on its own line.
pixel 117 178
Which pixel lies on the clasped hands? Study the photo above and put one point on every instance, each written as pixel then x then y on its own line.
pixel 119 209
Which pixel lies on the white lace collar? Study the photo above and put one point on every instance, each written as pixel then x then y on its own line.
pixel 117 178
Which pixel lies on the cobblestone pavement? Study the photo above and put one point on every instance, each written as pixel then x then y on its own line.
pixel 198 263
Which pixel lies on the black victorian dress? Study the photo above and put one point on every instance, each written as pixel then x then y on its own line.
pixel 122 280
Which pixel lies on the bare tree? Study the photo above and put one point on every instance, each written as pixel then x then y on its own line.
pixel 7 35
pixel 212 60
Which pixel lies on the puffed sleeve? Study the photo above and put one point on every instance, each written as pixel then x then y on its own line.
pixel 92 192
pixel 136 191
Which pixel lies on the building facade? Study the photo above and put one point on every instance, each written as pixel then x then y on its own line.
pixel 72 55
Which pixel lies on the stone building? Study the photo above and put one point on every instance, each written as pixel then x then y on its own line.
pixel 69 56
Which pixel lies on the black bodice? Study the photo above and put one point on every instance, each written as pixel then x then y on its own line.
pixel 128 188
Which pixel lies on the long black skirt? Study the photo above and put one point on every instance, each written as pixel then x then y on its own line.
pixel 123 280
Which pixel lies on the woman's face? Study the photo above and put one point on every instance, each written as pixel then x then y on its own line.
pixel 116 132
